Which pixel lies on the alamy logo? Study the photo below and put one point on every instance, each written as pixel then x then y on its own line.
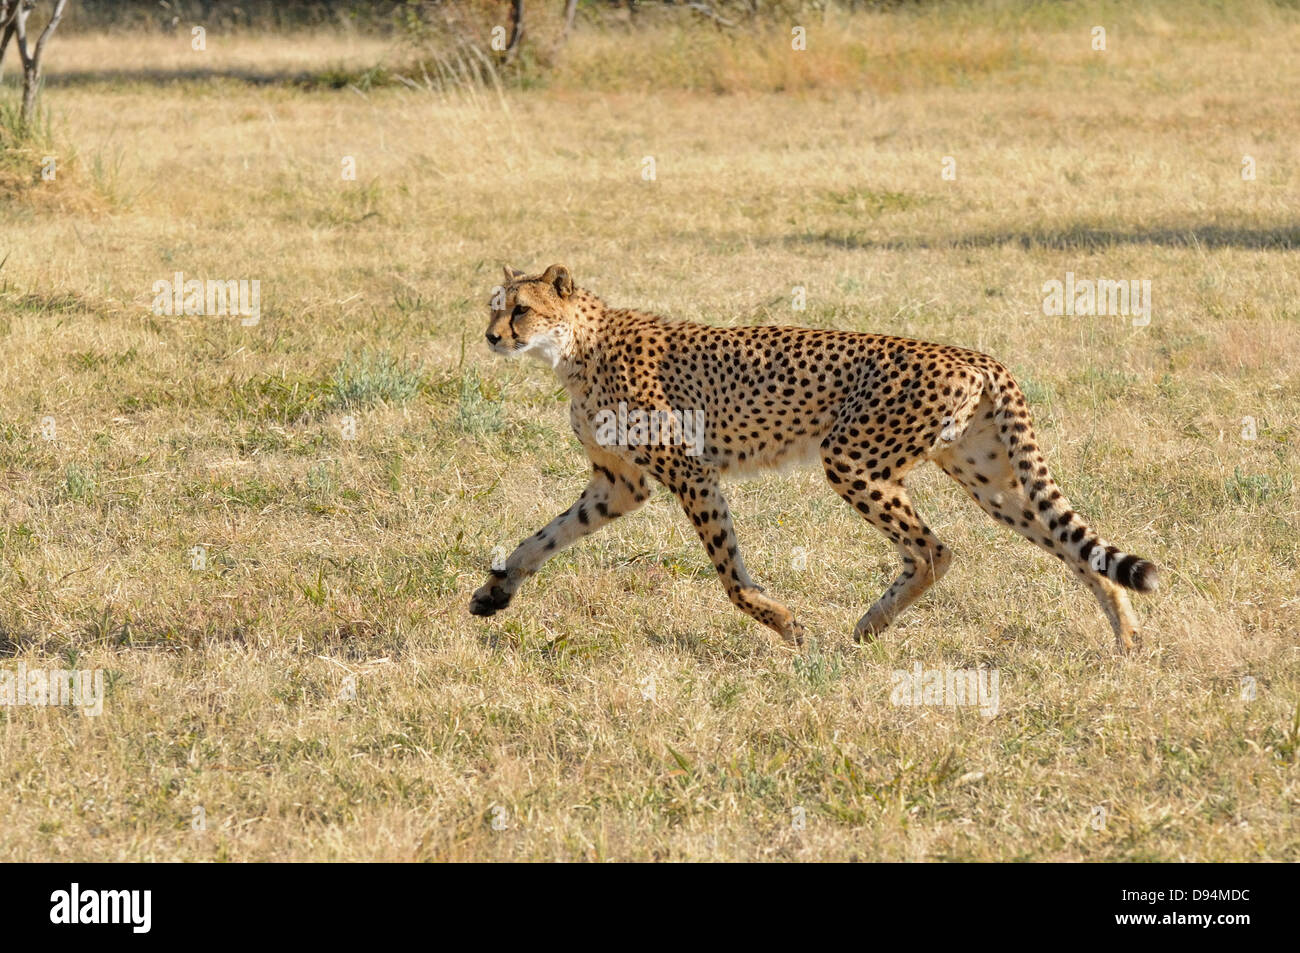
pixel 1101 297
pixel 133 907
pixel 971 687
pixel 39 687
pixel 213 297
pixel 651 428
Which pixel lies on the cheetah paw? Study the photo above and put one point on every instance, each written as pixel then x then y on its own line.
pixel 489 600
pixel 795 633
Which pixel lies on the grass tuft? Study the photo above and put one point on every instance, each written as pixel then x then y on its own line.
pixel 373 377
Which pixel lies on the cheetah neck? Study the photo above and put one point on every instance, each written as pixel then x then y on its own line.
pixel 573 351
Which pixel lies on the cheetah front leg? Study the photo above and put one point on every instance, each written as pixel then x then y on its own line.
pixel 883 502
pixel 702 499
pixel 616 488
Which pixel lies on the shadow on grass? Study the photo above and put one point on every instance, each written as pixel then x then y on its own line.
pixel 1076 237
pixel 301 79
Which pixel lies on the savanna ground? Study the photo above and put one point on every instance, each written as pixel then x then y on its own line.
pixel 335 563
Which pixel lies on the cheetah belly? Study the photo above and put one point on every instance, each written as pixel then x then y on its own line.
pixel 797 453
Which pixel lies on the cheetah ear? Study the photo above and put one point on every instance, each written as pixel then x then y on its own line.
pixel 558 276
pixel 511 274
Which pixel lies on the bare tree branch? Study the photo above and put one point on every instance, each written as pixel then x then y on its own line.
pixel 31 60
pixel 50 27
pixel 21 13
pixel 516 28
pixel 8 9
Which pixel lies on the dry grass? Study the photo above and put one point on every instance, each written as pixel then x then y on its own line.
pixel 329 559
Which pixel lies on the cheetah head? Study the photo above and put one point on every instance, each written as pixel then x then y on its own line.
pixel 532 315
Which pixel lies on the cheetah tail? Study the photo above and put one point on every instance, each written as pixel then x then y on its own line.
pixel 1070 531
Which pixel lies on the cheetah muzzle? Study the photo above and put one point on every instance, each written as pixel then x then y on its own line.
pixel 868 407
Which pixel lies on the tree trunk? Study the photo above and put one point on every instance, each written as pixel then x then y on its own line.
pixel 22 10
pixel 570 11
pixel 31 84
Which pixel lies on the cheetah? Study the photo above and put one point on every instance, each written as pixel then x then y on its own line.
pixel 867 407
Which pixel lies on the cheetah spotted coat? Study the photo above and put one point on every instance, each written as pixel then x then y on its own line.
pixel 867 407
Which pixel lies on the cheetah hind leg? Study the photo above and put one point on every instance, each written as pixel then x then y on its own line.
pixel 981 465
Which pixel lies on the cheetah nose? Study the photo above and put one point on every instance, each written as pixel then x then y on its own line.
pixel 493 338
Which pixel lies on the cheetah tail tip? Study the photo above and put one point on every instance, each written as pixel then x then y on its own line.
pixel 1140 575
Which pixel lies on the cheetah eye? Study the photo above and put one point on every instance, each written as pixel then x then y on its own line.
pixel 519 312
